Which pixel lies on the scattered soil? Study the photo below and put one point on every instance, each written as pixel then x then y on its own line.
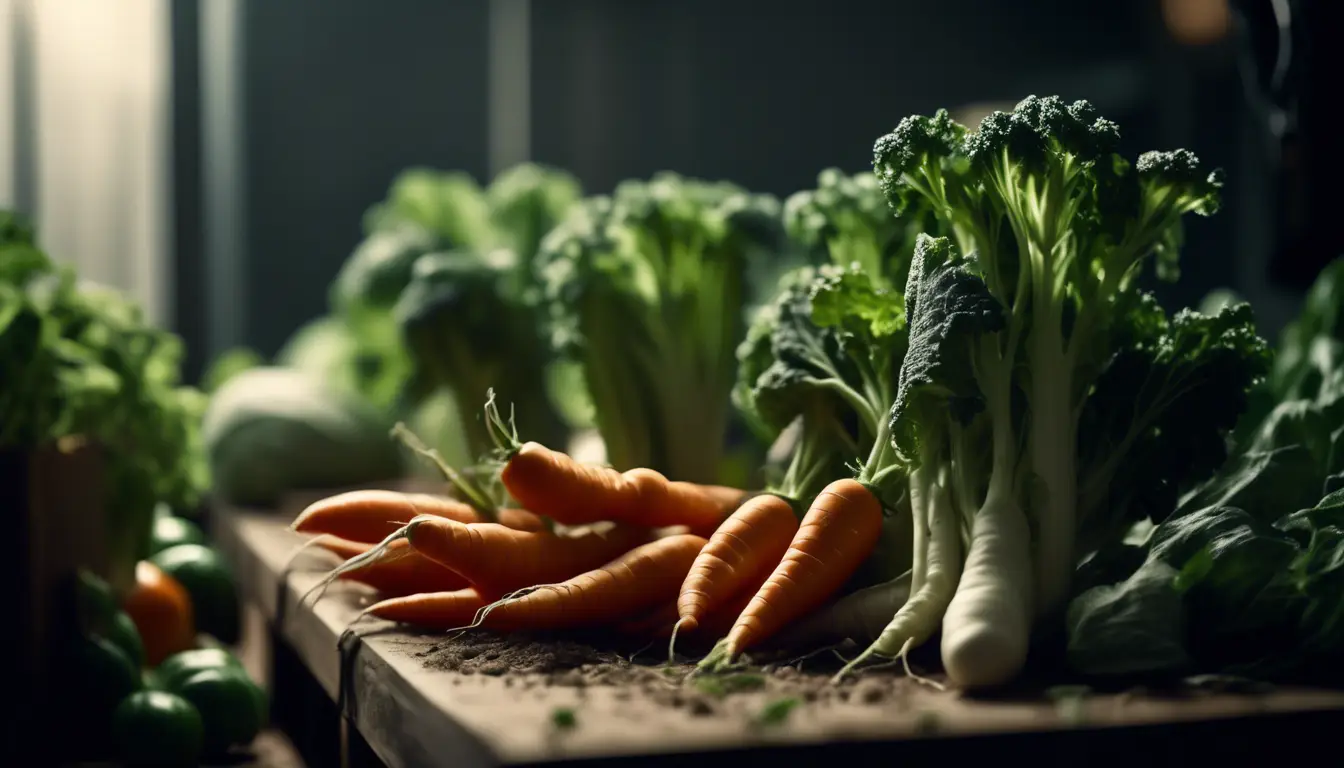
pixel 530 662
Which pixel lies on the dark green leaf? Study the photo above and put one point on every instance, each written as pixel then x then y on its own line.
pixel 1135 626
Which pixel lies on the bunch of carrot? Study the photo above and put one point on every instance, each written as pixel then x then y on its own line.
pixel 584 545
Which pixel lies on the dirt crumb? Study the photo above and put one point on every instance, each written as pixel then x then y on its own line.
pixel 702 707
pixel 871 691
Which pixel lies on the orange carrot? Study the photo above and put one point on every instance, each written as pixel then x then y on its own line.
pixel 660 623
pixel 634 582
pixel 554 484
pixel 370 515
pixel 432 610
pixel 838 532
pixel 739 556
pixel 400 571
pixel 572 493
pixel 343 548
pixel 497 560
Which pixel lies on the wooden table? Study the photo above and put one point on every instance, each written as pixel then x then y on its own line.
pixel 399 713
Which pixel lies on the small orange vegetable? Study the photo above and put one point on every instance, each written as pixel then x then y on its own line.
pixel 572 493
pixel 161 609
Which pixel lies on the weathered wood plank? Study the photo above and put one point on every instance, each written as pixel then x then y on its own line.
pixel 414 715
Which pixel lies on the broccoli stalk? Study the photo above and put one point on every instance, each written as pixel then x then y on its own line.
pixel 1060 226
pixel 645 288
pixel 955 385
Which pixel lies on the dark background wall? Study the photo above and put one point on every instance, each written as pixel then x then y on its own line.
pixel 339 96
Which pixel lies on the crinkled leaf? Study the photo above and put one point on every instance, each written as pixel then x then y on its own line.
pixel 947 308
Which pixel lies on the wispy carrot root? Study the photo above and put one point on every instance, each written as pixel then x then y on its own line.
pixel 400 571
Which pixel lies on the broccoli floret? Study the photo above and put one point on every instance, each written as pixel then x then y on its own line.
pixel 847 220
pixel 450 206
pixel 526 202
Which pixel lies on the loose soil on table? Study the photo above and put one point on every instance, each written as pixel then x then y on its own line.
pixel 777 684
pixel 646 673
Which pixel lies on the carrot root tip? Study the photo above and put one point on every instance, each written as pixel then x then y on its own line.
pixel 690 624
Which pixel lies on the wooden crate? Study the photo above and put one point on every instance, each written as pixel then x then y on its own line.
pixel 52 502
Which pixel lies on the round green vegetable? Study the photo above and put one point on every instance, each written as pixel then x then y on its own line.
pixel 106 674
pixel 154 728
pixel 176 669
pixel 207 578
pixel 123 632
pixel 270 430
pixel 99 675
pixel 227 702
pixel 170 530
pixel 95 604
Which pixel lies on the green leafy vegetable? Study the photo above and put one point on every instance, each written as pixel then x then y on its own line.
pixel 1045 402
pixel 469 331
pixel 846 220
pixel 1244 577
pixel 645 289
pixel 79 359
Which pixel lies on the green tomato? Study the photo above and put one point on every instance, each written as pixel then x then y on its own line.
pixel 177 668
pixel 104 672
pixel 170 530
pixel 155 728
pixel 98 675
pixel 209 581
pixel 228 707
pixel 124 633
pixel 95 604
